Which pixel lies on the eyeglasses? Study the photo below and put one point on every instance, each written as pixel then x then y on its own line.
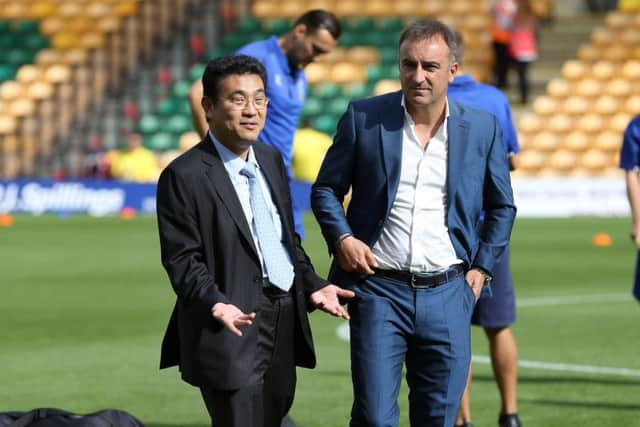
pixel 239 102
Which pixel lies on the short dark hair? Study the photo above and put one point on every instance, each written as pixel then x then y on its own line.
pixel 318 19
pixel 228 65
pixel 458 54
pixel 425 29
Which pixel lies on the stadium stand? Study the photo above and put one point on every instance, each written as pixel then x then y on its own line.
pixel 79 77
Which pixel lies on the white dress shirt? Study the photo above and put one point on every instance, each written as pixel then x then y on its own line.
pixel 415 237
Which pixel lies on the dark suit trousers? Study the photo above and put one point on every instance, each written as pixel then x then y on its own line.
pixel 267 397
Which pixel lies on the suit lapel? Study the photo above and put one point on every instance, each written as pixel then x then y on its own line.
pixel 457 141
pixel 391 138
pixel 219 178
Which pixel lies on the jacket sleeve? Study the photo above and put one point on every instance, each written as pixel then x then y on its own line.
pixel 498 204
pixel 181 243
pixel 334 181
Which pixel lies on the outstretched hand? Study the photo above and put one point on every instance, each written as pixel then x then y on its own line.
pixel 327 299
pixel 232 317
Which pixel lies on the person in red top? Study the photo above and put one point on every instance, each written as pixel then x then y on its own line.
pixel 503 14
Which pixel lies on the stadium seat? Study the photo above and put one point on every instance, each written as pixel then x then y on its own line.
pixel 326 90
pixel 325 123
pixel 576 141
pixel 347 72
pixel 161 141
pixel 562 160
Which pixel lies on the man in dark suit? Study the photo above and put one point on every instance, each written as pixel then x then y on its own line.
pixel 243 281
pixel 421 169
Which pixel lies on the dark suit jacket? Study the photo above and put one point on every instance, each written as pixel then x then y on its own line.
pixel 209 255
pixel 366 156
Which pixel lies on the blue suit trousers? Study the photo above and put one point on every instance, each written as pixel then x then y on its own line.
pixel 429 330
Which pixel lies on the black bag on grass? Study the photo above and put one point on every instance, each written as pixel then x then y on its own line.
pixel 51 417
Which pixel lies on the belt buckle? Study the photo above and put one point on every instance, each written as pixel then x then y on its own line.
pixel 414 286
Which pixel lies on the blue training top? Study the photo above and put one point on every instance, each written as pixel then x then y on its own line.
pixel 286 90
pixel 630 153
pixel 466 90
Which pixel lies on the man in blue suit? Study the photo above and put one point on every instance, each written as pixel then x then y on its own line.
pixel 421 169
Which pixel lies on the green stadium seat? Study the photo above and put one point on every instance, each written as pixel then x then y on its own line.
pixel 327 90
pixel 178 124
pixel 312 107
pixel 362 24
pixel 380 72
pixel 26 27
pixel 277 26
pixel 325 123
pixel 196 71
pixel 181 89
pixel 18 56
pixel 167 107
pixel 349 39
pixel 337 106
pixel 149 124
pixel 388 55
pixel 35 42
pixel 233 41
pixel 161 141
pixel 391 24
pixel 357 90
pixel 249 25
pixel 7 72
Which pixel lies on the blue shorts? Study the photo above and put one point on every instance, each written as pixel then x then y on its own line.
pixel 499 310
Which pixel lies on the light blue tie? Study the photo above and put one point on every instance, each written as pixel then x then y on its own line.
pixel 276 260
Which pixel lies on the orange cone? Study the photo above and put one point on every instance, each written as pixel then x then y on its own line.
pixel 601 240
pixel 6 220
pixel 127 213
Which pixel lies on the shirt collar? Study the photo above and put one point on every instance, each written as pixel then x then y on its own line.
pixel 409 119
pixel 232 162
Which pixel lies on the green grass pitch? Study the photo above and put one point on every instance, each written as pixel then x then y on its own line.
pixel 84 303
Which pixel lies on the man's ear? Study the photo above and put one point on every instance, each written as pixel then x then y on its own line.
pixel 300 30
pixel 207 106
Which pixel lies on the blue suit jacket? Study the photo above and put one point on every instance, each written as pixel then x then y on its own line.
pixel 366 155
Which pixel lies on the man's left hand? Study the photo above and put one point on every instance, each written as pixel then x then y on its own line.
pixel 475 280
pixel 327 299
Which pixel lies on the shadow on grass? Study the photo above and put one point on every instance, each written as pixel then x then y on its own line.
pixel 527 379
pixel 175 425
pixel 585 405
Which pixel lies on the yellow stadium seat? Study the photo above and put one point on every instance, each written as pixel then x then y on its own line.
pixel 348 72
pixel 590 123
pixel 607 141
pixel 618 87
pixel 576 105
pixel 529 123
pixel 594 159
pixel 560 123
pixel 545 141
pixel 531 161
pixel 603 37
pixel 562 160
pixel 603 70
pixel 559 88
pixel 576 141
pixel 589 53
pixel 606 105
pixel 545 105
pixel 631 70
pixel 574 69
pixel 317 72
pixel 364 55
pixel 619 121
pixel 28 74
pixel 588 87
pixel 386 86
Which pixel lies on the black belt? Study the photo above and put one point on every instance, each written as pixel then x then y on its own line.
pixel 423 280
pixel 272 291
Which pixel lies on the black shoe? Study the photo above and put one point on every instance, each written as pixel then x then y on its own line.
pixel 509 420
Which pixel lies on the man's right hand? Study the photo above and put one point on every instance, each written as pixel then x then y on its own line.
pixel 232 317
pixel 355 256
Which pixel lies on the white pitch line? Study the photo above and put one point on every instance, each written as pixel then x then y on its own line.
pixel 572 299
pixel 566 367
